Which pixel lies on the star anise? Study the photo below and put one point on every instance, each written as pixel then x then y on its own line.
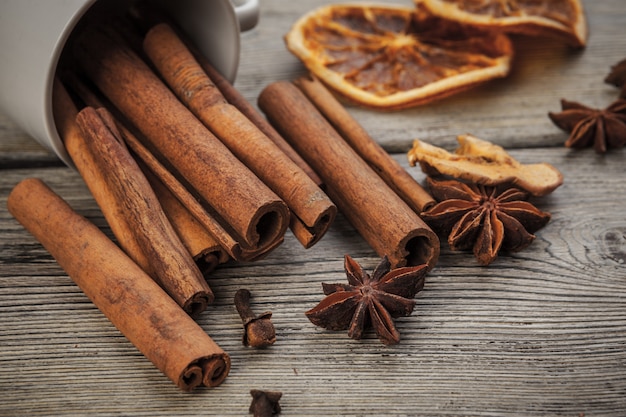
pixel 369 301
pixel 484 218
pixel 617 77
pixel 587 126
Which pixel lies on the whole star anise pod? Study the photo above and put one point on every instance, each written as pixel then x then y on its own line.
pixel 587 126
pixel 369 300
pixel 617 77
pixel 484 218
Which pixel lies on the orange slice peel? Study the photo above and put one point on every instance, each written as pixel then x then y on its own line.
pixel 561 18
pixel 393 57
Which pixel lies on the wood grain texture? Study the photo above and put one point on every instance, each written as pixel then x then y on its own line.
pixel 538 333
pixel 16 147
pixel 510 112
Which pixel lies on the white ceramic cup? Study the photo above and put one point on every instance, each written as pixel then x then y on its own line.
pixel 33 34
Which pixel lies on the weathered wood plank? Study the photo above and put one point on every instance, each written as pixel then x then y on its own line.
pixel 511 111
pixel 540 332
pixel 16 147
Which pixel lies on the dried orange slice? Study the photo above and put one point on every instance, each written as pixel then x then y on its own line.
pixel 392 57
pixel 564 18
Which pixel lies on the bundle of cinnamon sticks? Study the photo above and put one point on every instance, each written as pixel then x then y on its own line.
pixel 185 179
pixel 379 198
pixel 182 157
pixel 189 175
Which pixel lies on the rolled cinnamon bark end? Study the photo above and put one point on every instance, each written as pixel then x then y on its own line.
pixel 310 235
pixel 214 370
pixel 253 211
pixel 420 245
pixel 209 371
pixel 208 260
pixel 384 220
pixel 127 296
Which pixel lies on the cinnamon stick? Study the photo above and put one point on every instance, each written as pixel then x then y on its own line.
pixel 379 215
pixel 126 295
pixel 224 237
pixel 312 211
pixel 258 216
pixel 234 97
pixel 146 15
pixel 396 177
pixel 128 202
pixel 199 240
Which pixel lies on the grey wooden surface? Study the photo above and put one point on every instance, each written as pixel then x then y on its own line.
pixel 538 333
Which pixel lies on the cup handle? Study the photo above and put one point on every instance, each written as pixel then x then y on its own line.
pixel 247 12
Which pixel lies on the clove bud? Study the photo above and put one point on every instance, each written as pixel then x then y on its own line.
pixel 264 403
pixel 258 330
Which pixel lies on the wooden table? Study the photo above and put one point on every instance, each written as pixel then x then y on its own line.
pixel 539 332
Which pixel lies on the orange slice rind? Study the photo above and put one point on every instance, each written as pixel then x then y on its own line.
pixel 394 57
pixel 562 18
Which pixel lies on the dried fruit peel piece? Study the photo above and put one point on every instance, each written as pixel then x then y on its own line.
pixel 393 57
pixel 560 18
pixel 483 162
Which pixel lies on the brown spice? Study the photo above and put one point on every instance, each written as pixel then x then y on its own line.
pixel 265 403
pixel 396 177
pixel 128 202
pixel 617 77
pixel 366 300
pixel 484 218
pixel 377 213
pixel 150 163
pixel 309 205
pixel 256 214
pixel 127 296
pixel 587 127
pixel 146 15
pixel 258 330
pixel 602 129
pixel 235 98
